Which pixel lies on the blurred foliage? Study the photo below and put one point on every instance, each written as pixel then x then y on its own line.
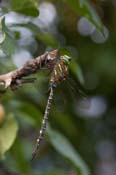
pixel 26 7
pixel 8 42
pixel 68 151
pixel 83 8
pixel 8 132
pixel 78 143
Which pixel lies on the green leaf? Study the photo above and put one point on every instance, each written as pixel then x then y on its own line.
pixel 83 8
pixel 26 7
pixel 8 132
pixel 8 43
pixel 63 146
pixel 45 37
pixel 3 11
pixel 2 37
pixel 76 70
pixel 8 46
pixel 48 39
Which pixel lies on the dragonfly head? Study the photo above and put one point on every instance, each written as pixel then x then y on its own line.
pixel 66 59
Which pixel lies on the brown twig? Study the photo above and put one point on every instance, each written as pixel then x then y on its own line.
pixel 14 79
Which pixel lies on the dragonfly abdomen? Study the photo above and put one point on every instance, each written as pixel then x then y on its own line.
pixel 44 122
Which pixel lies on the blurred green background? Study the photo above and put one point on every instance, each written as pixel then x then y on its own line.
pixel 81 134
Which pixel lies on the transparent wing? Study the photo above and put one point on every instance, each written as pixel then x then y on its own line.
pixel 78 92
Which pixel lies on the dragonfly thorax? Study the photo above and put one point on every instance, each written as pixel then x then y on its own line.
pixel 60 70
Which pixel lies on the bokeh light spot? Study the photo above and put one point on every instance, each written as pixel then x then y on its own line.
pixel 47 15
pixel 20 57
pixel 98 37
pixel 84 27
pixel 96 108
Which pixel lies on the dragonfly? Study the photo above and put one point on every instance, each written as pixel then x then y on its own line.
pixel 59 73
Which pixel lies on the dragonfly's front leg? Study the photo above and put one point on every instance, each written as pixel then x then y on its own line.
pixel 19 82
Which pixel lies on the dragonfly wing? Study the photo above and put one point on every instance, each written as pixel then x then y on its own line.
pixel 78 92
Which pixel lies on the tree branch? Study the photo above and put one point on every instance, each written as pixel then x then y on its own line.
pixel 14 79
